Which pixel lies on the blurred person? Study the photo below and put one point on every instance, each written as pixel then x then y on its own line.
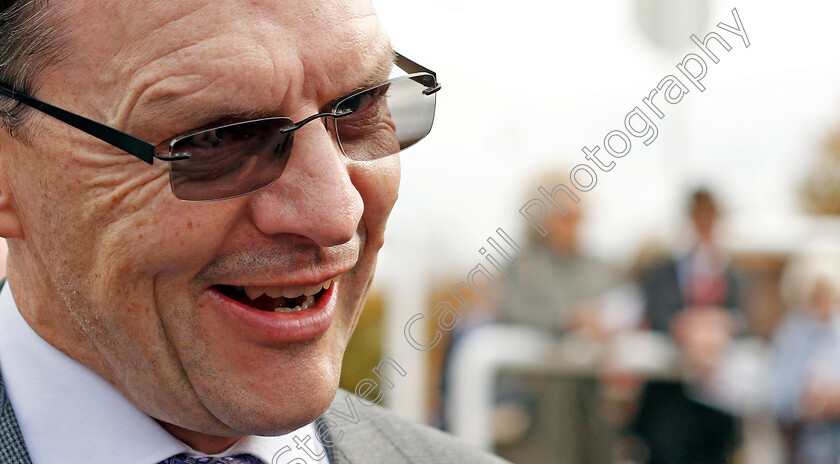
pixel 561 296
pixel 556 286
pixel 194 194
pixel 806 373
pixel 695 299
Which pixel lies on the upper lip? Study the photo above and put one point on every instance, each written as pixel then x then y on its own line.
pixel 287 281
pixel 291 266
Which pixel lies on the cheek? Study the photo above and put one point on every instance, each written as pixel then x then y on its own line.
pixel 378 183
pixel 168 237
pixel 111 227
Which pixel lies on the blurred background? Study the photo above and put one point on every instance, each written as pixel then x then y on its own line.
pixel 685 310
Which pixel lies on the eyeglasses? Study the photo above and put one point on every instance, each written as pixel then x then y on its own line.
pixel 231 160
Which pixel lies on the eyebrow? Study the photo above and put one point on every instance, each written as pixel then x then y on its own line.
pixel 378 75
pixel 230 111
pixel 381 71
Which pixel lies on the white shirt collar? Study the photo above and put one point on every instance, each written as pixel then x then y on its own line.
pixel 67 413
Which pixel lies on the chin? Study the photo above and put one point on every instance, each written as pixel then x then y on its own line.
pixel 285 421
pixel 271 417
pixel 280 402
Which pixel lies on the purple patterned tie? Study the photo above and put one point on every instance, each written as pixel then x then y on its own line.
pixel 238 459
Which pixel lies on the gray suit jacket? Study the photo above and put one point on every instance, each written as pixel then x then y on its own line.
pixel 352 433
pixel 12 449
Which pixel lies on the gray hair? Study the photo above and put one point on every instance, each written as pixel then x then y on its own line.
pixel 29 42
pixel 802 275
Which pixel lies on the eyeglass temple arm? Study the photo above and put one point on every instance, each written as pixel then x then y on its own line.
pixel 410 67
pixel 132 145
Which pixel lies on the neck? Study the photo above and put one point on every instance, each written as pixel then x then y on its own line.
pixel 54 323
pixel 207 444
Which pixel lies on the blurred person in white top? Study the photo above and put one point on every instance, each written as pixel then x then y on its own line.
pixel 806 378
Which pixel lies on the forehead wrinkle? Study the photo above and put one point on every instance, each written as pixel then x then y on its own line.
pixel 220 93
pixel 156 103
pixel 175 47
pixel 110 56
pixel 199 103
pixel 206 89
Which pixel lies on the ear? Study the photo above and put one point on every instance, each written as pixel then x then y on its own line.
pixel 10 223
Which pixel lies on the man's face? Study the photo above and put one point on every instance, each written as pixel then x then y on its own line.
pixel 704 218
pixel 114 270
pixel 563 230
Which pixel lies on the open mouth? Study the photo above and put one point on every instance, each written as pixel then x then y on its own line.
pixel 277 299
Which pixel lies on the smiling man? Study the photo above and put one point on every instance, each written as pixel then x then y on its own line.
pixel 194 194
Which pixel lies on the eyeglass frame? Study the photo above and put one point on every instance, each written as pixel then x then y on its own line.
pixel 147 151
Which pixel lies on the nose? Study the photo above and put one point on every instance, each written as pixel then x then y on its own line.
pixel 314 198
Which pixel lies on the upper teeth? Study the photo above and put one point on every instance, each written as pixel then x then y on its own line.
pixel 287 292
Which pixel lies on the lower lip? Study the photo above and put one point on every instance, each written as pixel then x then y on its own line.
pixel 277 327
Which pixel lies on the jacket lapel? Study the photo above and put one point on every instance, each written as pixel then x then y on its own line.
pixel 334 453
pixel 12 448
pixel 364 435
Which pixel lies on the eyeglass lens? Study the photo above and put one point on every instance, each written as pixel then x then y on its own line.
pixel 237 159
